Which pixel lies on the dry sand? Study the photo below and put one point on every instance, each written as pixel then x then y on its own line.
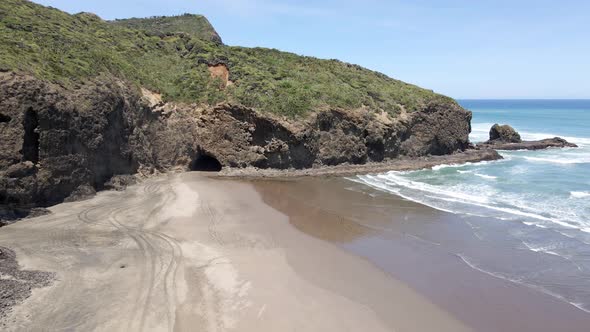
pixel 189 253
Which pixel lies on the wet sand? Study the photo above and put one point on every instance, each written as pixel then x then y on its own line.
pixel 426 249
pixel 186 252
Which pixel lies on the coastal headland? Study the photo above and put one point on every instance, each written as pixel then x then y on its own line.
pixel 133 154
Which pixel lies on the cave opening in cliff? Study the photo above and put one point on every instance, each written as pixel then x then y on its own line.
pixel 4 118
pixel 30 149
pixel 206 163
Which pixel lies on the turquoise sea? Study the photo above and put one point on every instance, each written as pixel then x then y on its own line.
pixel 535 202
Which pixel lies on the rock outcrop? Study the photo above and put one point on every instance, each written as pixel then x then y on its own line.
pixel 556 142
pixel 61 143
pixel 506 138
pixel 58 140
pixel 441 128
pixel 241 137
pixel 504 134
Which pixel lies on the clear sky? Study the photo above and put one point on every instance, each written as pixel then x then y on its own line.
pixel 462 48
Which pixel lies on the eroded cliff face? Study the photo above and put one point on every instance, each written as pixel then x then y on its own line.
pixel 240 137
pixel 56 141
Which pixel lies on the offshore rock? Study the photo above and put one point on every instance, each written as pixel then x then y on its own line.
pixel 506 138
pixel 556 142
pixel 504 134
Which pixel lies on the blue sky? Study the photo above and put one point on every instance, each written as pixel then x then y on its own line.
pixel 461 48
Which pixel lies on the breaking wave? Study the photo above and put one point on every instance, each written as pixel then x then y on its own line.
pixel 579 194
pixel 468 189
pixel 559 160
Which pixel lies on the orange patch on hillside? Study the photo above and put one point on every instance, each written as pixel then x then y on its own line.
pixel 222 72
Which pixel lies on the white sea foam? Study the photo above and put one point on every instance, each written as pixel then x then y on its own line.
pixel 551 250
pixel 474 266
pixel 479 163
pixel 480 132
pixel 485 176
pixel 559 160
pixel 579 194
pixel 479 192
pixel 443 166
pixel 424 187
pixel 519 281
pixel 520 169
pixel 528 223
pixel 477 199
pixel 544 249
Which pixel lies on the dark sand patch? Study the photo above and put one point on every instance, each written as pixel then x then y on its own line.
pixel 16 284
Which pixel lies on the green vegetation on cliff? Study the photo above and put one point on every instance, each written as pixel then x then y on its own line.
pixel 195 25
pixel 171 55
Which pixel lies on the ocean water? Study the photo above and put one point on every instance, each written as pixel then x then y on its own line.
pixel 534 201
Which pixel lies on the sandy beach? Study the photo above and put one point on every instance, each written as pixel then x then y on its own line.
pixel 185 252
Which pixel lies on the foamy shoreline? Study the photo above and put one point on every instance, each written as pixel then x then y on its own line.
pixel 463 264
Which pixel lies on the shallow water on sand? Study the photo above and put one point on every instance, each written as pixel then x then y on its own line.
pixel 537 202
pixel 476 268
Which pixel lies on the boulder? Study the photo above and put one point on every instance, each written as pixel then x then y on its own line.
pixel 504 134
pixel 120 182
pixel 81 193
pixel 441 128
pixel 21 170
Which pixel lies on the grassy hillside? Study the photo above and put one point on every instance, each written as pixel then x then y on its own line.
pixel 59 47
pixel 195 25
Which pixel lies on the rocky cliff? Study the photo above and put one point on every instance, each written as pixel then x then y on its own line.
pixel 84 101
pixel 57 140
pixel 54 141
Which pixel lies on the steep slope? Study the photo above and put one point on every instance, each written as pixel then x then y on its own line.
pixel 83 100
pixel 66 49
pixel 195 25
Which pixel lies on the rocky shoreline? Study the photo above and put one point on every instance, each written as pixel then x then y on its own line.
pixel 64 145
pixel 66 134
pixel 60 143
pixel 401 164
pixel 556 142
pixel 10 214
pixel 504 137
